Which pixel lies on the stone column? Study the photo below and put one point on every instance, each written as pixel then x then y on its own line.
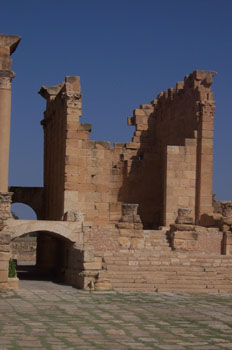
pixel 8 44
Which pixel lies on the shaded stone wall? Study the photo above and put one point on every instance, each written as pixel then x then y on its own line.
pixel 23 249
pixel 186 112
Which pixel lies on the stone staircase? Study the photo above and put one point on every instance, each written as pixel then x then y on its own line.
pixel 159 269
pixel 156 240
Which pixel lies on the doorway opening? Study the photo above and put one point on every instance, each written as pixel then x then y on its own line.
pixel 41 255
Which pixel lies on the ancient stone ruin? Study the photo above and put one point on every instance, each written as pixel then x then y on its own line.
pixel 138 216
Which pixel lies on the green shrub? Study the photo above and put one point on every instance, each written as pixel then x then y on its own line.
pixel 12 268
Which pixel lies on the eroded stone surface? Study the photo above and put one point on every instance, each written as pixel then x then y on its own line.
pixel 43 315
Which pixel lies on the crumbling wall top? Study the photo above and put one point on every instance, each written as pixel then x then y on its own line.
pixel 198 80
pixel 205 77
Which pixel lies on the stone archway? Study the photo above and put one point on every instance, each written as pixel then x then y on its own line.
pixel 59 244
pixel 50 258
pixel 68 230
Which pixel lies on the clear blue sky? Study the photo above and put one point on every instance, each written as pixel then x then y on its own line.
pixel 126 52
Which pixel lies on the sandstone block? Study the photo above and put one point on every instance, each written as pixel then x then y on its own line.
pixel 124 242
pixel 93 265
pixel 226 220
pixel 127 218
pixel 138 233
pixel 188 235
pixel 137 221
pixel 192 245
pixel 139 112
pixel 74 216
pixel 4 265
pixel 189 174
pixel 5 238
pixel 182 227
pixel 3 275
pixel 125 225
pixel 126 232
pixel 4 256
pixel 184 220
pixel 72 126
pixel 115 207
pixel 115 217
pixel 133 145
pixel 13 283
pixel 4 285
pixel 137 243
pixel 5 248
pixel 88 255
pixel 103 284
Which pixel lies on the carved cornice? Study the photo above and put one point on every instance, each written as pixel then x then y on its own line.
pixel 72 99
pixel 10 42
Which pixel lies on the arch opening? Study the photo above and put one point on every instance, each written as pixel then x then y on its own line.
pixel 23 211
pixel 41 255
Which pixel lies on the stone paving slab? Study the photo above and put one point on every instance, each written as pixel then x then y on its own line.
pixel 44 315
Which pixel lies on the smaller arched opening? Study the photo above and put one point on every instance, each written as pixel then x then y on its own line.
pixel 23 211
pixel 31 196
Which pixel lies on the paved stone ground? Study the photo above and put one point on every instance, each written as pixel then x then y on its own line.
pixel 43 315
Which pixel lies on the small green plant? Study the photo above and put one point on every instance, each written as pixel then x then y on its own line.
pixel 12 268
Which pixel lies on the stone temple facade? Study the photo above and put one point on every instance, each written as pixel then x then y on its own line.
pixel 138 216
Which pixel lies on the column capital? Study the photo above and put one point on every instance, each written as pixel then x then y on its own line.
pixel 6 77
pixel 49 93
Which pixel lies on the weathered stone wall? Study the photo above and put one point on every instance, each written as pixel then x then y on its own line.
pixel 178 114
pixel 222 207
pixel 23 249
pixel 167 165
pixel 191 238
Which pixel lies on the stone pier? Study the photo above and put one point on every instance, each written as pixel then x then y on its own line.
pixel 8 44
